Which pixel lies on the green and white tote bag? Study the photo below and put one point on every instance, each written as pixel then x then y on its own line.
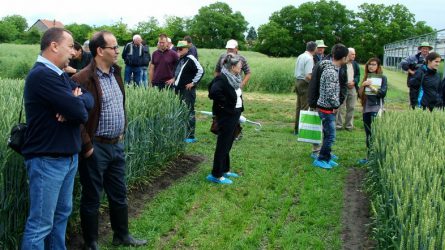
pixel 309 127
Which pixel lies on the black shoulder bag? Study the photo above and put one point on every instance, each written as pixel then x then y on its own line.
pixel 17 137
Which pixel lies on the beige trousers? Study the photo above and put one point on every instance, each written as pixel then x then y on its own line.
pixel 345 114
pixel 301 87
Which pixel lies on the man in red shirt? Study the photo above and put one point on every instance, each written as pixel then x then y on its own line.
pixel 162 66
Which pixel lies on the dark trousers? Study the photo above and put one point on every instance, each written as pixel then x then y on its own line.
pixel 104 170
pixel 162 85
pixel 368 118
pixel 221 160
pixel 189 97
pixel 328 122
pixel 429 108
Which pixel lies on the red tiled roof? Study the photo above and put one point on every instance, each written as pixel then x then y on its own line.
pixel 51 24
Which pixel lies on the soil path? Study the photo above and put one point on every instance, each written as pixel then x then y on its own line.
pixel 356 214
pixel 137 198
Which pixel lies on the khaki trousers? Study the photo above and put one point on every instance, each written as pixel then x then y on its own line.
pixel 301 87
pixel 347 107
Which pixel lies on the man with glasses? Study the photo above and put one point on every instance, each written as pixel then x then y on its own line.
pixel 136 57
pixel 162 66
pixel 103 166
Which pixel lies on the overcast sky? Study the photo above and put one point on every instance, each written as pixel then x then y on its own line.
pixel 94 12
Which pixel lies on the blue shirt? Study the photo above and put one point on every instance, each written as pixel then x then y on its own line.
pixel 49 65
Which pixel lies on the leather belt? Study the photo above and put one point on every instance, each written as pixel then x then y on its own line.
pixel 106 140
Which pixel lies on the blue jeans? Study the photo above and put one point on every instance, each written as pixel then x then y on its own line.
pixel 135 72
pixel 328 122
pixel 51 182
pixel 144 79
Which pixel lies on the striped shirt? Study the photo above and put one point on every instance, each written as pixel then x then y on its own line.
pixel 112 117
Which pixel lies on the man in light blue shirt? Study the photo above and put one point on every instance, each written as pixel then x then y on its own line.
pixel 303 73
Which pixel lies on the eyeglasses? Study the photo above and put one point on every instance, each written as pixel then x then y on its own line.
pixel 180 49
pixel 115 48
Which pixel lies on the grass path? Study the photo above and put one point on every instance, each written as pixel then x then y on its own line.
pixel 280 201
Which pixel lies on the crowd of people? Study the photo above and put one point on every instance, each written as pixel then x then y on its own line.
pixel 330 84
pixel 74 101
pixel 426 90
pixel 75 109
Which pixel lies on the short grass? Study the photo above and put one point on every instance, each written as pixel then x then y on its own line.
pixel 280 201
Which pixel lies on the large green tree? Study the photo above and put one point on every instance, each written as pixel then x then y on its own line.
pixel 175 28
pixel 8 32
pixel 18 21
pixel 251 37
pixel 149 30
pixel 81 32
pixel 120 31
pixel 251 34
pixel 12 28
pixel 378 25
pixel 274 40
pixel 327 20
pixel 215 24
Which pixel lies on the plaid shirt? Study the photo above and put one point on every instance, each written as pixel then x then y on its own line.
pixel 112 120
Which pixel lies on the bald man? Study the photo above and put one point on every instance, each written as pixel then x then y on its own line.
pixel 136 57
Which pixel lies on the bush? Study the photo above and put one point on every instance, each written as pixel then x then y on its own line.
pixel 269 74
pixel 20 70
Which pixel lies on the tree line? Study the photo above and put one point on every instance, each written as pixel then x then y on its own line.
pixel 285 34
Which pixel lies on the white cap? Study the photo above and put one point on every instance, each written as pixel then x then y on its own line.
pixel 231 44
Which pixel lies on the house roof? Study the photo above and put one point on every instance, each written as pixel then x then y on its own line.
pixel 50 23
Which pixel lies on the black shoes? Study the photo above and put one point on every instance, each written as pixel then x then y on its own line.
pixel 128 241
pixel 92 246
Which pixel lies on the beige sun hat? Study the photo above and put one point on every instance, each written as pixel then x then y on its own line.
pixel 320 44
pixel 425 44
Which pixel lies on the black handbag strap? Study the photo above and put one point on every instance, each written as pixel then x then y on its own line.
pixel 21 110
